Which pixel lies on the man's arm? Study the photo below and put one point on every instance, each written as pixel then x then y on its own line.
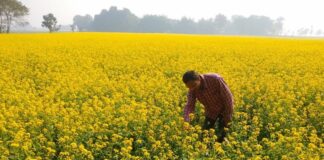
pixel 227 100
pixel 190 106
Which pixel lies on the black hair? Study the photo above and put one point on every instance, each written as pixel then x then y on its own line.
pixel 190 76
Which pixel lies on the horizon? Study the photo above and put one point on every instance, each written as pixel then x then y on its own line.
pixel 293 20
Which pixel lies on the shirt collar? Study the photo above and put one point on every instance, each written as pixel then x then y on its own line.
pixel 203 82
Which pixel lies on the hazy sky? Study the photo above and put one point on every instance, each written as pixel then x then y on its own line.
pixel 297 13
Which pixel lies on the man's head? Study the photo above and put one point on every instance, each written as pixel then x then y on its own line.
pixel 191 79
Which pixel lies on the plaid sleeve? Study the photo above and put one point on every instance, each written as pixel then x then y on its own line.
pixel 227 100
pixel 190 106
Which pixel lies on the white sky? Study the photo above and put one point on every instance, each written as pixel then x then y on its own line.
pixel 297 13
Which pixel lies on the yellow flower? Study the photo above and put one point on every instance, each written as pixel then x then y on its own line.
pixel 15 144
pixel 74 145
pixel 97 95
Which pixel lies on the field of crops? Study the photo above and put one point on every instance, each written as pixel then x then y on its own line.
pixel 121 96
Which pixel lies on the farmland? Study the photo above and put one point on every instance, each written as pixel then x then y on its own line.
pixel 120 96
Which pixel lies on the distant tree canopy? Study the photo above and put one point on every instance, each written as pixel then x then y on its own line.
pixel 11 11
pixel 154 23
pixel 50 23
pixel 114 20
pixel 83 22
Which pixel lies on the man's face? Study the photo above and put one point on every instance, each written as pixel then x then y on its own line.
pixel 193 85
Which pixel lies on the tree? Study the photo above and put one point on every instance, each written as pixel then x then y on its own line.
pixel 319 32
pixel 73 27
pixel 2 19
pixel 11 11
pixel 50 23
pixel 154 23
pixel 259 25
pixel 278 26
pixel 83 22
pixel 221 23
pixel 303 31
pixel 115 20
pixel 185 25
pixel 253 25
pixel 206 26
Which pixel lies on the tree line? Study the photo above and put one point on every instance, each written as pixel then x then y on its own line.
pixel 115 20
pixel 12 12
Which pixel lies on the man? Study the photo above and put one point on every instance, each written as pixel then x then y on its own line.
pixel 212 91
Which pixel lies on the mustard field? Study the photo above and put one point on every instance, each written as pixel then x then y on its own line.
pixel 121 96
